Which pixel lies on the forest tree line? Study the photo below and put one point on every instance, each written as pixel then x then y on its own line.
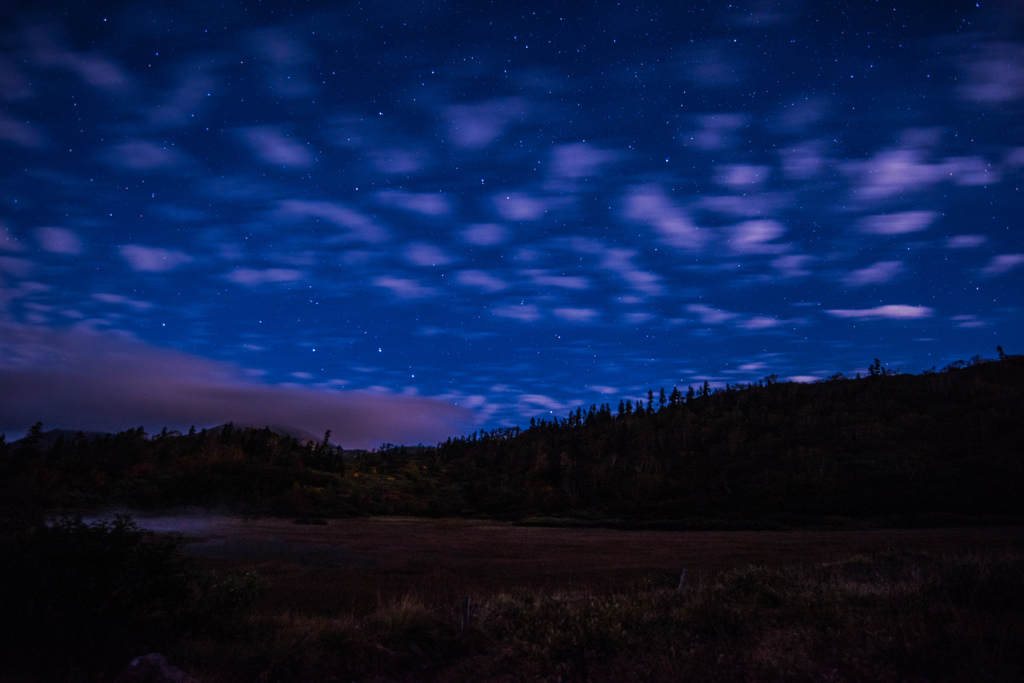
pixel 945 444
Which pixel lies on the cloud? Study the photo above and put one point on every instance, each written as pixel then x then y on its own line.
pixel 995 77
pixel 709 315
pixel 579 160
pixel 759 322
pixel 742 206
pixel 94 68
pixel 620 261
pixel 17 267
pixel 531 402
pixel 153 259
pixel 426 203
pixel 895 173
pixel 485 234
pixel 475 126
pixel 971 171
pixel 22 133
pixel 545 279
pixel 361 228
pixel 898 223
pixel 273 146
pixel 888 312
pixel 59 241
pixel 119 300
pixel 78 378
pixel 881 272
pixel 969 321
pixel 253 277
pixel 141 155
pixel 8 242
pixel 754 237
pixel 651 206
pixel 519 206
pixel 1002 263
pixel 13 84
pixel 99 71
pixel 793 265
pixel 420 254
pixel 525 312
pixel 804 161
pixel 716 131
pixel 742 176
pixel 577 315
pixel 404 288
pixel 480 280
pixel 966 241
pixel 398 161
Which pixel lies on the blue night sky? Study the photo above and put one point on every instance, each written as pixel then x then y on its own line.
pixel 404 221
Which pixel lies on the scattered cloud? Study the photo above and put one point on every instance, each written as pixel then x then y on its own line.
pixel 995 76
pixel 898 223
pixel 876 274
pixel 895 173
pixel 580 159
pixel 485 234
pixel 420 254
pixel 475 126
pixel 743 176
pixel 425 203
pixel 254 277
pixel 398 161
pixel 481 280
pixel 716 131
pixel 22 133
pixel 966 241
pixel 968 321
pixel 273 145
pixel 525 312
pixel 360 227
pixel 142 155
pixel 709 315
pixel 754 237
pixel 544 278
pixel 620 262
pixel 120 300
pixel 153 259
pixel 534 402
pixel 759 322
pixel 793 265
pixel 804 161
pixel 404 288
pixel 59 241
pixel 519 206
pixel 887 312
pixel 8 242
pixel 1003 263
pixel 650 205
pixel 577 315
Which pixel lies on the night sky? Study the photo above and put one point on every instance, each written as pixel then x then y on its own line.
pixel 403 221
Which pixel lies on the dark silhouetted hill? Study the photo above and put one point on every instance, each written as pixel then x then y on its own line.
pixel 935 448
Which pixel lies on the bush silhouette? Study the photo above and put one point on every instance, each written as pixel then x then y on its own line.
pixel 77 594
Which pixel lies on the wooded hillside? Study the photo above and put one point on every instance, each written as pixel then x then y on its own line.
pixel 932 448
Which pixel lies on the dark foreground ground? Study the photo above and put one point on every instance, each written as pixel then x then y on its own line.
pixel 352 564
pixel 400 599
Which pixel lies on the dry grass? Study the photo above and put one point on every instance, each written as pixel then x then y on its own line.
pixel 947 606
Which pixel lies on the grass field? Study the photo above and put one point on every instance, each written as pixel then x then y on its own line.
pixel 351 564
pixel 400 599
